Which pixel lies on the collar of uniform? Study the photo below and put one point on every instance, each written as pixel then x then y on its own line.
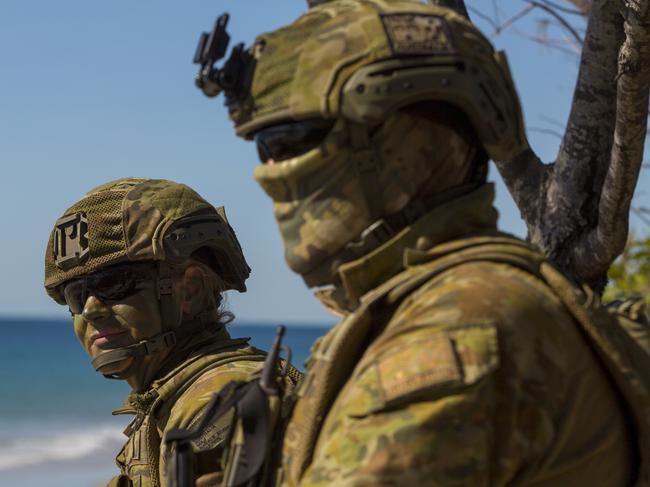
pixel 137 403
pixel 197 346
pixel 470 214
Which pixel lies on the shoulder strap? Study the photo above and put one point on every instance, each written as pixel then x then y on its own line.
pixel 167 390
pixel 181 378
pixel 626 357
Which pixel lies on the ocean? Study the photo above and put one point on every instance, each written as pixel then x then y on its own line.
pixel 56 428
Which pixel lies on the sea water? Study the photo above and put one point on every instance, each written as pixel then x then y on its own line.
pixel 56 428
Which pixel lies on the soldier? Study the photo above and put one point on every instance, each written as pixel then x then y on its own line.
pixel 141 264
pixel 464 357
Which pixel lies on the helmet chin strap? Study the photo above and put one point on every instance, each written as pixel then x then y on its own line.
pixel 150 346
pixel 137 351
pixel 171 332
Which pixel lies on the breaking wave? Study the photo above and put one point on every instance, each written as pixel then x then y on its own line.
pixel 59 447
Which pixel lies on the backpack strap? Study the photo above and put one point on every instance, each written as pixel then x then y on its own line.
pixel 170 388
pixel 623 351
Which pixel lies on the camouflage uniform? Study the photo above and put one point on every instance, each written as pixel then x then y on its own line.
pixel 464 357
pixel 163 223
pixel 176 400
pixel 476 375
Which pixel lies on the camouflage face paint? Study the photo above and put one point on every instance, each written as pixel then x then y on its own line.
pixel 102 326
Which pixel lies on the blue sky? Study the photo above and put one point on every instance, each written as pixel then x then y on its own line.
pixel 92 91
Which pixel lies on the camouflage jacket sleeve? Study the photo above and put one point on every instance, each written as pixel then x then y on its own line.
pixel 187 409
pixel 480 378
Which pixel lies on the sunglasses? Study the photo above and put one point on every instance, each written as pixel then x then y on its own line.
pixel 284 141
pixel 108 285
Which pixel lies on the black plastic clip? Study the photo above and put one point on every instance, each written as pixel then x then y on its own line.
pixel 234 75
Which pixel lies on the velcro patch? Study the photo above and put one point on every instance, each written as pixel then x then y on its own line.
pixel 417 34
pixel 214 434
pixel 432 363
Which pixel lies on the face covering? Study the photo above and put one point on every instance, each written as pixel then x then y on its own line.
pixel 322 201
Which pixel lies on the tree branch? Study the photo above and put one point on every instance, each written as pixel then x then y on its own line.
pixel 560 8
pixel 583 6
pixel 577 209
pixel 572 199
pixel 557 17
pixel 608 239
pixel 558 45
pixel 526 177
pixel 495 24
pixel 519 15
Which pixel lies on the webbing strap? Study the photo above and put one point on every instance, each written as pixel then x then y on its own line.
pixel 169 316
pixel 367 165
pixel 381 231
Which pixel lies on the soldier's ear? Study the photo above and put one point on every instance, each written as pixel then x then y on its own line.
pixel 194 291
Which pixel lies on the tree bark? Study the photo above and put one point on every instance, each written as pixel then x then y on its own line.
pixel 578 214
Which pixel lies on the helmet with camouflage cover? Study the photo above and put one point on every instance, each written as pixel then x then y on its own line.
pixel 142 220
pixel 361 59
pixel 364 66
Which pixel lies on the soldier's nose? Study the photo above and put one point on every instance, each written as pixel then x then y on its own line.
pixel 95 310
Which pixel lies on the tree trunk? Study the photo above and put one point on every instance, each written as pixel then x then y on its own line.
pixel 579 213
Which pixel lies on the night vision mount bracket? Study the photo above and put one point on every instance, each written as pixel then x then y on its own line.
pixel 234 76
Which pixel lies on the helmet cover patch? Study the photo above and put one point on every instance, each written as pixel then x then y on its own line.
pixel 71 241
pixel 413 34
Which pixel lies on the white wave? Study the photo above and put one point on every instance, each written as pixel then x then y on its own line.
pixel 62 446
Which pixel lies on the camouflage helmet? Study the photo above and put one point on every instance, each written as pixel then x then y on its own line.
pixel 361 60
pixel 133 219
pixel 361 66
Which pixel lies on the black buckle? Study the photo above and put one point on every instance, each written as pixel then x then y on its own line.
pixel 377 233
pixel 165 285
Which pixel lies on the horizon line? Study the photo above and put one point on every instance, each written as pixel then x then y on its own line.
pixel 237 321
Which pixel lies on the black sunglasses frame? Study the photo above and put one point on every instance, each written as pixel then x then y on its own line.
pixel 109 285
pixel 292 139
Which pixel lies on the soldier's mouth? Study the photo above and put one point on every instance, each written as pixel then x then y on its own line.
pixel 104 337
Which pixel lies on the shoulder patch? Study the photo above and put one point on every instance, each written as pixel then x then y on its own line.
pixel 432 362
pixel 423 364
pixel 214 435
pixel 417 34
pixel 446 358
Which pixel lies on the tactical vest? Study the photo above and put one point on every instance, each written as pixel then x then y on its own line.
pixel 622 346
pixel 139 459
